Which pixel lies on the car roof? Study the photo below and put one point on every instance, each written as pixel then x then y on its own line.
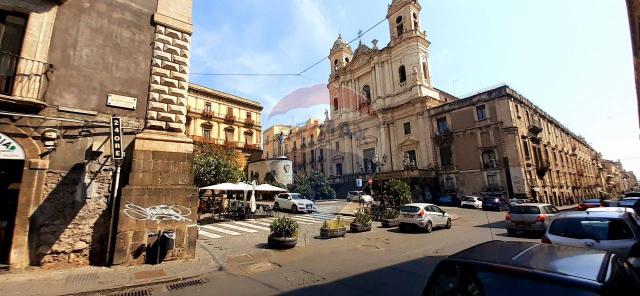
pixel 572 261
pixel 611 209
pixel 596 214
pixel 418 204
pixel 591 200
pixel 534 204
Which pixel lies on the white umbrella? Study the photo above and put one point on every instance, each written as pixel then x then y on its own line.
pixel 252 202
pixel 223 186
pixel 267 187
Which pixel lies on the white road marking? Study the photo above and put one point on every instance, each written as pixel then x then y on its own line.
pixel 217 229
pixel 209 235
pixel 262 223
pixel 252 226
pixel 305 219
pixel 237 228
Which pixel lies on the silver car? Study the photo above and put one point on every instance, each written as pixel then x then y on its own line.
pixel 423 215
pixel 529 217
pixel 615 232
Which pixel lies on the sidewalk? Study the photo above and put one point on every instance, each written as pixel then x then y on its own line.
pixel 91 279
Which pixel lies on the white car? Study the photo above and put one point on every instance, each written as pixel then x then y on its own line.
pixel 611 231
pixel 359 195
pixel 631 211
pixel 423 215
pixel 471 202
pixel 294 202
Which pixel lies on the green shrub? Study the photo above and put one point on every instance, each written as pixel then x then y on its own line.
pixel 391 213
pixel 284 227
pixel 362 217
pixel 397 193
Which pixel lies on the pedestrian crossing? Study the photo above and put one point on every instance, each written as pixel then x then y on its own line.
pixel 247 227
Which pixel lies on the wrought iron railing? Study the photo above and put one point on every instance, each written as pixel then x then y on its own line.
pixel 23 77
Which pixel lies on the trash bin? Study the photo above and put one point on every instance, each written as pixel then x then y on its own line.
pixel 168 240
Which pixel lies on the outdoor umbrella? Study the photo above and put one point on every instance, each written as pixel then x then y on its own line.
pixel 267 187
pixel 253 197
pixel 224 187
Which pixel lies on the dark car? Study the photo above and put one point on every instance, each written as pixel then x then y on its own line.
pixel 630 202
pixel 632 194
pixel 449 200
pixel 495 204
pixel 589 203
pixel 525 268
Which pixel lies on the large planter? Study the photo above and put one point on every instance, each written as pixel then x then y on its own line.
pixel 281 243
pixel 330 233
pixel 357 227
pixel 390 223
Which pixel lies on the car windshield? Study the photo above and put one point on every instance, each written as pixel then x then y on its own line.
pixel 524 210
pixel 469 198
pixel 591 228
pixel 409 209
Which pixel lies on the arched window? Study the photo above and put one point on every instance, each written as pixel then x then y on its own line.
pixel 335 62
pixel 366 93
pixel 424 70
pixel 415 21
pixel 489 159
pixel 399 25
pixel 335 104
pixel 403 74
pixel 346 60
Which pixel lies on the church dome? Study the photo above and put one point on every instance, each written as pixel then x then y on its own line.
pixel 340 43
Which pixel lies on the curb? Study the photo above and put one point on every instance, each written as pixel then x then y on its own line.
pixel 136 286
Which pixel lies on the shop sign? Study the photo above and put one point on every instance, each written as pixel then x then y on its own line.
pixel 9 148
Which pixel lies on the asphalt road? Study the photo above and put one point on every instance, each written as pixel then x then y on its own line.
pixel 380 262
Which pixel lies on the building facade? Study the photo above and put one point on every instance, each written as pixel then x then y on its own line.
pixel 60 85
pixel 221 119
pixel 633 10
pixel 270 143
pixel 379 99
pixel 499 143
pixel 301 147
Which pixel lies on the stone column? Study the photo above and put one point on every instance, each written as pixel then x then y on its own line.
pixel 160 179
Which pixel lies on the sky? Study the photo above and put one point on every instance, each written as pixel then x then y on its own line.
pixel 572 58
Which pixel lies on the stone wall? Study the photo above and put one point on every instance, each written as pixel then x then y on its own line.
pixel 70 226
pixel 169 80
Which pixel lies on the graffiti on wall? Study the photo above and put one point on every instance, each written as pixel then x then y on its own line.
pixel 157 213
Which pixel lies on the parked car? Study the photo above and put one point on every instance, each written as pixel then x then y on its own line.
pixel 359 195
pixel 449 200
pixel 294 202
pixel 423 215
pixel 630 202
pixel 589 203
pixel 517 201
pixel 529 217
pixel 495 204
pixel 631 211
pixel 615 232
pixel 471 202
pixel 532 269
pixel 610 203
pixel 632 194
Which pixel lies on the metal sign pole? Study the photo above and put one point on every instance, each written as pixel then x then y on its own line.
pixel 116 156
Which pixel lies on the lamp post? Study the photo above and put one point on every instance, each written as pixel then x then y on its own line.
pixel 378 165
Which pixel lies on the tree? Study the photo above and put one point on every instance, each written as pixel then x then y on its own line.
pixel 214 165
pixel 315 186
pixel 397 193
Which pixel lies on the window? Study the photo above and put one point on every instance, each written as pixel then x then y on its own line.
pixel 591 228
pixel 321 154
pixel 207 107
pixel 403 74
pixel 415 21
pixel 206 132
pixel 443 126
pixel 367 157
pixel 446 158
pixel 366 93
pixel 346 60
pixel 335 104
pixel 492 180
pixel 424 70
pixel 248 115
pixel 481 112
pixel 489 159
pixel 407 128
pixel 399 25
pixel 338 169
pixel 525 147
pixel 335 62
pixel 412 161
pixel 337 146
pixel 295 146
pixel 12 28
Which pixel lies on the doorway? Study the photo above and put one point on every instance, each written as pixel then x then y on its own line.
pixel 10 178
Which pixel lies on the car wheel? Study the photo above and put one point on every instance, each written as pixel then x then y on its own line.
pixel 448 225
pixel 348 200
pixel 429 227
pixel 276 207
pixel 294 209
pixel 511 232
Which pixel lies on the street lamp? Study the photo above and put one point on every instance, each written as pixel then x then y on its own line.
pixel 378 165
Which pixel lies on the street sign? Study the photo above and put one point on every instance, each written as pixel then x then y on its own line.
pixel 358 182
pixel 116 138
pixel 370 181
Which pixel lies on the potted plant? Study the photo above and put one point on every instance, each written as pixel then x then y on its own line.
pixel 284 233
pixel 362 222
pixel 333 228
pixel 390 218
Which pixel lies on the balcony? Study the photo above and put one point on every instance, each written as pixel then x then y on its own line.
pixel 229 118
pixel 542 167
pixel 491 164
pixel 251 147
pixel 249 122
pixel 200 139
pixel 303 146
pixel 230 144
pixel 207 113
pixel 22 80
